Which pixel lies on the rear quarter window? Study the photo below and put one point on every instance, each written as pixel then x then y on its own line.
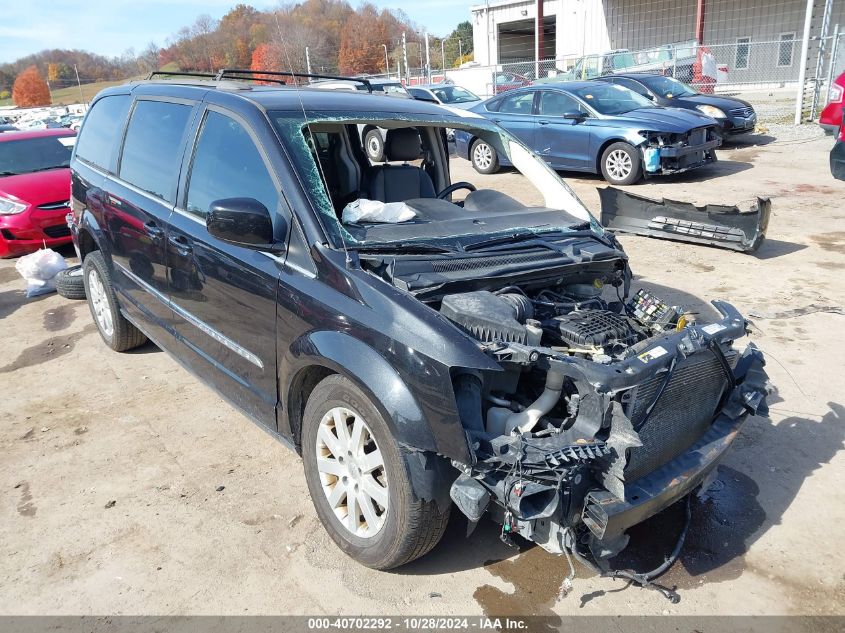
pixel 151 151
pixel 101 130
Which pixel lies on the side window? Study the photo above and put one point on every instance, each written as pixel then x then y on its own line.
pixel 227 164
pixel 97 137
pixel 553 103
pixel 521 103
pixel 151 155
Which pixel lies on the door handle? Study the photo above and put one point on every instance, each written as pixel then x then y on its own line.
pixel 543 122
pixel 497 120
pixel 153 231
pixel 181 244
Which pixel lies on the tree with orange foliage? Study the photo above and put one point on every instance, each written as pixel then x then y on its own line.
pixel 30 89
pixel 267 57
pixel 361 42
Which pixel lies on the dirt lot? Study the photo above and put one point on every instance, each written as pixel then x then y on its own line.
pixel 111 463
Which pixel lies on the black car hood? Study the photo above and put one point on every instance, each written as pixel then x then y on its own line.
pixel 723 103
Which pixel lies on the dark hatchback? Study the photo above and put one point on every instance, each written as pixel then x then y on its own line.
pixel 734 116
pixel 439 352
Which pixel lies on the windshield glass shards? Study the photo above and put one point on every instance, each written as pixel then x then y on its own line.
pixel 382 183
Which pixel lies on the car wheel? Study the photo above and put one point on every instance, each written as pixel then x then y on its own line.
pixel 621 164
pixel 118 333
pixel 375 145
pixel 484 157
pixel 69 283
pixel 359 484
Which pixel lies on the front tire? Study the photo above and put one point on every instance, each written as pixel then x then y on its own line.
pixel 483 157
pixel 118 333
pixel 621 164
pixel 358 481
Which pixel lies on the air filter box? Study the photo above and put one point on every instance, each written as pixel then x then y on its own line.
pixel 484 315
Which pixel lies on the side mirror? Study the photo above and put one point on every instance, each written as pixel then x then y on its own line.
pixel 650 97
pixel 242 221
pixel 574 115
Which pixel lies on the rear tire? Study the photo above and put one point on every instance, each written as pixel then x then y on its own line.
pixel 484 158
pixel 70 283
pixel 621 164
pixel 118 333
pixel 396 527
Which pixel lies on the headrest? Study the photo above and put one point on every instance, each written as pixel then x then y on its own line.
pixel 402 144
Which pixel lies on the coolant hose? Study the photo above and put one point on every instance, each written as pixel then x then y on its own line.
pixel 526 420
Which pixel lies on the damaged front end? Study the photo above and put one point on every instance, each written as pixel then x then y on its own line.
pixel 667 153
pixel 605 414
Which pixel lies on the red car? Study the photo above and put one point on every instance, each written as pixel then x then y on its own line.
pixel 34 189
pixel 831 116
pixel 504 81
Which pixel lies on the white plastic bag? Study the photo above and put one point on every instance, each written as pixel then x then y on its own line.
pixel 39 269
pixel 363 210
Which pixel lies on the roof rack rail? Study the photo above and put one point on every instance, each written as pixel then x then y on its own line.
pixel 247 74
pixel 179 73
pixel 241 73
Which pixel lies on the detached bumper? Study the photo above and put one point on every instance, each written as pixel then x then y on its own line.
pixel 713 224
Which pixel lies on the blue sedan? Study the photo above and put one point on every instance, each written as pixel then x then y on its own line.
pixel 595 127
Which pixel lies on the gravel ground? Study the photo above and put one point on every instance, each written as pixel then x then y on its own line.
pixel 112 464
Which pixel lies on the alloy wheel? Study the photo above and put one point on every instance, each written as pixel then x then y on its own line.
pixel 482 155
pixel 352 472
pixel 100 303
pixel 619 164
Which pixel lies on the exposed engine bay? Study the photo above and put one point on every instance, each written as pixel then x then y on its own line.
pixel 609 406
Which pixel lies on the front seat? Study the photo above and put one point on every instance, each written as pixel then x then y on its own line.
pixel 397 183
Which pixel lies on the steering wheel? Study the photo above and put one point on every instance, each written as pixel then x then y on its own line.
pixel 453 188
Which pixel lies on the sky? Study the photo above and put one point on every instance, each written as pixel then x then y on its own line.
pixel 110 27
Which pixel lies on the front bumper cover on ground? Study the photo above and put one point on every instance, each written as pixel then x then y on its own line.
pixel 713 224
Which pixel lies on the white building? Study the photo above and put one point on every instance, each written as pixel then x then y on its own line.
pixel 747 35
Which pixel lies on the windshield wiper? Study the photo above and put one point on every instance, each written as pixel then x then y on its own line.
pixel 9 173
pixel 523 236
pixel 404 248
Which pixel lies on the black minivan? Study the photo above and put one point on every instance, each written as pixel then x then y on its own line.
pixel 422 343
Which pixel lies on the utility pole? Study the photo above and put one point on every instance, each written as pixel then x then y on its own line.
pixel 308 60
pixel 81 96
pixel 443 56
pixel 405 57
pixel 460 52
pixel 386 62
pixel 427 60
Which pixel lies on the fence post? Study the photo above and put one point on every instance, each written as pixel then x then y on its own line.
pixel 802 69
pixel 831 67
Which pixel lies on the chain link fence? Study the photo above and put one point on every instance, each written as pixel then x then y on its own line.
pixel 766 73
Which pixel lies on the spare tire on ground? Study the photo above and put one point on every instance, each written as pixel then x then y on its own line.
pixel 69 283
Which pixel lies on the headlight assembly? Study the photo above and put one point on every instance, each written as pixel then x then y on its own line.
pixel 11 206
pixel 711 111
